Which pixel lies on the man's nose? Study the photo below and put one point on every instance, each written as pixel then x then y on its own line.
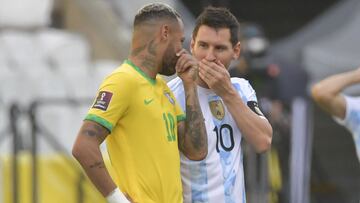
pixel 210 56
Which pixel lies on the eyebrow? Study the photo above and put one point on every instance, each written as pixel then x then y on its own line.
pixel 221 46
pixel 216 45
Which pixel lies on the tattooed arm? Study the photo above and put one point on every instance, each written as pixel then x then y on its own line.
pixel 191 132
pixel 86 151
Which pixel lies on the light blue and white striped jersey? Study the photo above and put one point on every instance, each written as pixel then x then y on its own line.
pixel 219 178
pixel 352 120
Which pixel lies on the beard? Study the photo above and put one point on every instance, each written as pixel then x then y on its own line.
pixel 169 61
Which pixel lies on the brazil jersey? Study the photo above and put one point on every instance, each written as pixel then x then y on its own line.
pixel 141 115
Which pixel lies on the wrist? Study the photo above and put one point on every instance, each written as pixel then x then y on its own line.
pixel 189 85
pixel 117 196
pixel 230 95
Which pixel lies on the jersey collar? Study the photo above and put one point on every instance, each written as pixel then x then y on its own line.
pixel 152 81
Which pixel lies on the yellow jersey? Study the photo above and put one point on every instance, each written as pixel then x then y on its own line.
pixel 141 115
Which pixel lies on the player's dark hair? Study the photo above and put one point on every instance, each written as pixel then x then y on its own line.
pixel 155 11
pixel 217 17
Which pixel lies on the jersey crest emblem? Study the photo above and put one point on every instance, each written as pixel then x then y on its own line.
pixel 217 109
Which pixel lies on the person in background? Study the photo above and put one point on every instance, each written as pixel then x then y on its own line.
pixel 140 119
pixel 346 109
pixel 230 109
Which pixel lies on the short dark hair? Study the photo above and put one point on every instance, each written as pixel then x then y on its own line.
pixel 155 11
pixel 218 17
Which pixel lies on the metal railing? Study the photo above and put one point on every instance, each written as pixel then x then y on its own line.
pixel 14 113
pixel 37 130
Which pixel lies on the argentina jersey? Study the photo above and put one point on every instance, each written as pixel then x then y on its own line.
pixel 220 176
pixel 352 120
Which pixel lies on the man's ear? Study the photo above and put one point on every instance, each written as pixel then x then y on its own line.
pixel 237 49
pixel 164 32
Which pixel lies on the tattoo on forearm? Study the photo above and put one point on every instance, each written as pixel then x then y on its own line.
pixel 94 131
pixel 195 75
pixel 194 122
pixel 89 132
pixel 98 165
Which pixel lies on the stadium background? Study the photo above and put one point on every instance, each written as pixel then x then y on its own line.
pixel 54 54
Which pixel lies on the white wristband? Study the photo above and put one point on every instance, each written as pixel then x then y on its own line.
pixel 117 196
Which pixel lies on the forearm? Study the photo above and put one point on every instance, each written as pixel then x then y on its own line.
pixel 90 158
pixel 333 85
pixel 326 93
pixel 194 143
pixel 256 130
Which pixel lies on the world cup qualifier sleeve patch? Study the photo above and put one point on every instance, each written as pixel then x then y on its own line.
pixel 253 105
pixel 102 100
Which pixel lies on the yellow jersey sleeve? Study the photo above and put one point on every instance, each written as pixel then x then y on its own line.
pixel 112 101
pixel 180 115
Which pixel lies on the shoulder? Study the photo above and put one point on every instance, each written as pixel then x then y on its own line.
pixel 120 78
pixel 352 110
pixel 175 84
pixel 124 72
pixel 353 100
pixel 352 103
pixel 159 79
pixel 243 87
pixel 241 83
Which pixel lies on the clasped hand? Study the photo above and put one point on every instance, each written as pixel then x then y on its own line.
pixel 216 76
pixel 187 67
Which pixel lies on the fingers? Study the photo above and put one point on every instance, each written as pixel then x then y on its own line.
pixel 216 68
pixel 213 73
pixel 180 63
pixel 210 68
pixel 182 51
pixel 178 66
pixel 218 62
pixel 207 78
pixel 186 61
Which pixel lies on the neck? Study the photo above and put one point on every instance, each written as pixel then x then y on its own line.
pixel 146 63
pixel 144 52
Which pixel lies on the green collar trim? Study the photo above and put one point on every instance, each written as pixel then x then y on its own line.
pixel 152 81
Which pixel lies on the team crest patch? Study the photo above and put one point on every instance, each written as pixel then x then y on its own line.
pixel 217 109
pixel 102 101
pixel 171 100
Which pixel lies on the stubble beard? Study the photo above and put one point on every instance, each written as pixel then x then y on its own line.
pixel 169 62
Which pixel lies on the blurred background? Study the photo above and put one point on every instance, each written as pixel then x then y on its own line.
pixel 55 53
